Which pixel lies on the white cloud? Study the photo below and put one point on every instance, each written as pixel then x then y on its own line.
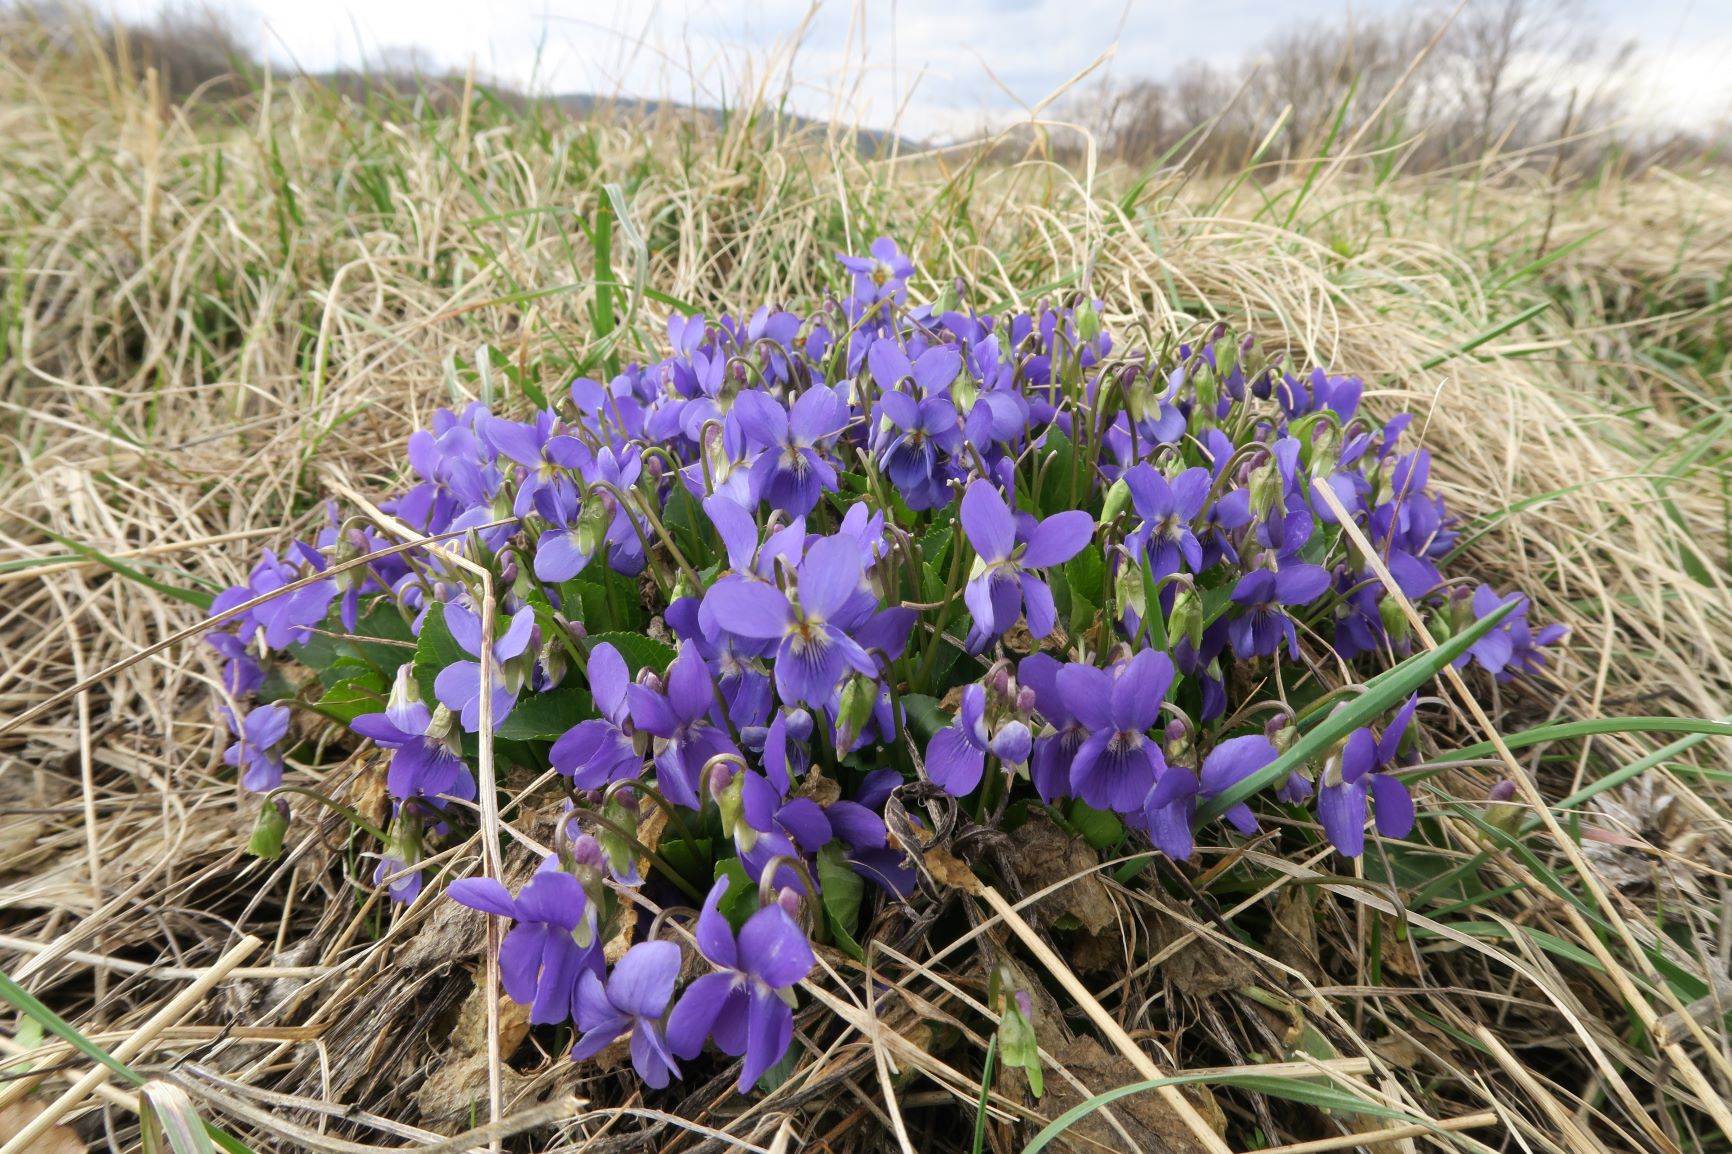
pixel 943 66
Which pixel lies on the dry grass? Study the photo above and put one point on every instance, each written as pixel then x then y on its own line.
pixel 211 315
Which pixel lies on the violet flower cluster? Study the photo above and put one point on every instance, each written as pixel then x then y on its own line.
pixel 809 561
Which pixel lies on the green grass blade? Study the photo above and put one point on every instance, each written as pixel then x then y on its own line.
pixel 1290 1089
pixel 1382 693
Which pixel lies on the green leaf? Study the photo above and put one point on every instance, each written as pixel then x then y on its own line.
pixel 842 891
pixel 603 600
pixel 741 900
pixel 350 698
pixel 640 652
pixel 691 858
pixel 684 519
pixel 434 650
pixel 546 716
pixel 1057 457
pixel 924 716
pixel 1086 571
pixel 1380 695
pixel 1099 827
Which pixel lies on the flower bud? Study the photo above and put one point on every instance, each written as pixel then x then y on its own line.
pixel 1208 388
pixel 1118 499
pixel 1088 322
pixel 1395 622
pixel 799 725
pixel 621 858
pixel 592 527
pixel 730 801
pixel 859 695
pixel 1186 619
pixel 1025 701
pixel 269 828
pixel 1265 491
pixel 1500 811
pixel 789 900
pixel 1129 591
pixel 1226 356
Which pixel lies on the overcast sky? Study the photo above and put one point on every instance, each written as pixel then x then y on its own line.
pixel 945 67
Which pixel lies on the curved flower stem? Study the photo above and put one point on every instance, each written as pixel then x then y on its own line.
pixel 354 818
pixel 767 879
pixel 639 786
pixel 668 540
pixel 625 504
pixel 655 858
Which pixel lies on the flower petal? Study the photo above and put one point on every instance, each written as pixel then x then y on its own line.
pixel 774 949
pixel 747 608
pixel 1058 538
pixel 987 521
pixel 643 980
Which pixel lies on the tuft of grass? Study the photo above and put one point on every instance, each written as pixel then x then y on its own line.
pixel 208 308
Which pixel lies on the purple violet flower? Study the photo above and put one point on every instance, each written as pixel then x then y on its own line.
pixel 459 684
pixel 789 471
pixel 553 944
pixel 632 1001
pixel 1001 583
pixel 1119 762
pixel 812 651
pixel 1264 596
pixel 685 736
pixel 257 753
pixel 602 750
pixel 1361 770
pixel 422 765
pixel 744 1006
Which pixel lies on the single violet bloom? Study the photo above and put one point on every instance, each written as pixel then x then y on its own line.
pixel 422 765
pixel 632 1001
pixel 1231 762
pixel 1118 763
pixel 1358 772
pixel 459 684
pixel 602 750
pixel 553 944
pixel 744 1006
pixel 685 736
pixel 257 753
pixel 1002 583
pixel 812 651
pixel 1265 597
pixel 956 755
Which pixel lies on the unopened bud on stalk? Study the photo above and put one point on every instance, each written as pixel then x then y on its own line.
pixel 1118 499
pixel 1088 322
pixel 859 696
pixel 269 828
pixel 1394 618
pixel 592 526
pixel 1186 619
pixel 1500 811
pixel 1129 590
pixel 1265 491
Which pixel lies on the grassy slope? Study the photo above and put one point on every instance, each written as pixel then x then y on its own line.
pixel 203 326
